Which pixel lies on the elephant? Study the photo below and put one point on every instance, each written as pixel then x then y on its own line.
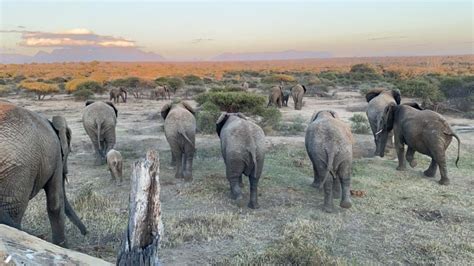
pixel 423 131
pixel 328 143
pixel 117 93
pixel 160 91
pixel 286 96
pixel 180 132
pixel 243 150
pixel 297 92
pixel 245 86
pixel 34 153
pixel 276 96
pixel 378 101
pixel 115 162
pixel 99 120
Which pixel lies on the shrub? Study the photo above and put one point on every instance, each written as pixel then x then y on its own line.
pixel 421 88
pixel 233 102
pixel 175 83
pixel 83 94
pixel 270 117
pixel 360 124
pixel 207 117
pixel 40 88
pixel 78 84
pixel 454 87
pixel 4 90
pixel 363 68
pixel 277 78
pixel 294 127
pixel 193 80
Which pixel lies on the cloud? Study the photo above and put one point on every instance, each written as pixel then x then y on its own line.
pixel 69 38
pixel 385 38
pixel 200 40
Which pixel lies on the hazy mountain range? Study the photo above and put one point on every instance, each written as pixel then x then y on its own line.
pixel 133 54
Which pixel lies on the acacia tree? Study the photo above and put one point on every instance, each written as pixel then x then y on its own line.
pixel 40 88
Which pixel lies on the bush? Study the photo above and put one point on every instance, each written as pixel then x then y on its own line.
pixel 4 90
pixel 232 102
pixel 79 84
pixel 40 88
pixel 296 126
pixel 207 117
pixel 455 87
pixel 277 78
pixel 193 80
pixel 360 124
pixel 83 94
pixel 270 117
pixel 421 88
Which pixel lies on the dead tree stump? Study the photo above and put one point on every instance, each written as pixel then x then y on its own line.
pixel 141 239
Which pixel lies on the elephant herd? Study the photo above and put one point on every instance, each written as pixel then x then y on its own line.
pixel 279 97
pixel 34 150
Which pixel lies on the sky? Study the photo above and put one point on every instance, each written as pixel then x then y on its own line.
pixel 195 30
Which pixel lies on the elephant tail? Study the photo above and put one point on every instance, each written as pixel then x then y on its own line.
pixel 98 136
pixel 71 214
pixel 459 145
pixel 329 167
pixel 186 137
pixel 254 160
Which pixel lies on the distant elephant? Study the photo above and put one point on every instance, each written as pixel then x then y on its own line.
pixel 33 156
pixel 99 120
pixel 297 92
pixel 423 131
pixel 245 86
pixel 329 145
pixel 286 96
pixel 243 150
pixel 378 101
pixel 276 96
pixel 117 93
pixel 160 91
pixel 115 163
pixel 180 132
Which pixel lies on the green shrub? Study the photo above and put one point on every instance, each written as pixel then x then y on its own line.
pixel 207 117
pixel 4 90
pixel 360 124
pixel 193 80
pixel 270 117
pixel 93 86
pixel 294 127
pixel 83 94
pixel 421 88
pixel 232 102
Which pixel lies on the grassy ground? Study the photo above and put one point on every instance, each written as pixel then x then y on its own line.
pixel 403 218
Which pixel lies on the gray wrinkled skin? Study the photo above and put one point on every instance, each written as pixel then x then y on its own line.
pixel 424 131
pixel 180 132
pixel 297 93
pixel 115 164
pixel 33 156
pixel 243 150
pixel 99 120
pixel 275 97
pixel 328 143
pixel 117 93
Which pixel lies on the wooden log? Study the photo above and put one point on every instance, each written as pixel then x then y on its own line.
pixel 141 239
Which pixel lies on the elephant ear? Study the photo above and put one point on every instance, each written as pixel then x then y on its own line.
pixel 388 116
pixel 89 102
pixel 314 117
pixel 61 128
pixel 414 105
pixel 113 106
pixel 397 96
pixel 221 122
pixel 165 110
pixel 189 108
pixel 372 94
pixel 240 115
pixel 333 113
pixel 304 88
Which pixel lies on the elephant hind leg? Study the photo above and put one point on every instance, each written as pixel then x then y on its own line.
pixel 410 155
pixel 344 176
pixel 431 171
pixel 328 196
pixel 443 170
pixel 253 203
pixel 55 206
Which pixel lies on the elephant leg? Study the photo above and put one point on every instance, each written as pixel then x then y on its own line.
pixel 400 148
pixel 188 157
pixel 179 164
pixel 410 157
pixel 253 203
pixel 431 171
pixel 173 160
pixel 390 143
pixel 344 176
pixel 316 179
pixel 336 188
pixel 328 200
pixel 235 191
pixel 443 170
pixel 55 206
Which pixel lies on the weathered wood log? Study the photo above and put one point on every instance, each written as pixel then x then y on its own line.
pixel 20 248
pixel 141 239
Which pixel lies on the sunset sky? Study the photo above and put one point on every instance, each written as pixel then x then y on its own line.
pixel 192 30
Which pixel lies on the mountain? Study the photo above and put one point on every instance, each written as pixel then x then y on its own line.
pixel 284 55
pixel 84 54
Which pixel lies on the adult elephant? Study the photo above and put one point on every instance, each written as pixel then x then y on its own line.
pixel 99 120
pixel 180 131
pixel 276 96
pixel 34 152
pixel 423 131
pixel 379 100
pixel 243 150
pixel 328 142
pixel 160 92
pixel 297 93
pixel 117 93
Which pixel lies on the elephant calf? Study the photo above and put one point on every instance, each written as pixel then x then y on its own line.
pixel 114 162
pixel 297 92
pixel 329 145
pixel 243 150
pixel 180 131
pixel 286 96
pixel 421 130
pixel 99 120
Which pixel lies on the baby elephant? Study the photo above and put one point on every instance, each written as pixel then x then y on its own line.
pixel 243 150
pixel 329 145
pixel 114 161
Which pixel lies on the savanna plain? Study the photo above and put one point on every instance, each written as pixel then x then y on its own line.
pixel 399 217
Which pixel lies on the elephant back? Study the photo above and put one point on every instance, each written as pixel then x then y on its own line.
pixel 99 112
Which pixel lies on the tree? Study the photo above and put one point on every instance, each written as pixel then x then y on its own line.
pixel 40 88
pixel 175 83
pixel 80 84
pixel 193 80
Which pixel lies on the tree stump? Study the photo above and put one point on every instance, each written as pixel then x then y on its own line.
pixel 141 239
